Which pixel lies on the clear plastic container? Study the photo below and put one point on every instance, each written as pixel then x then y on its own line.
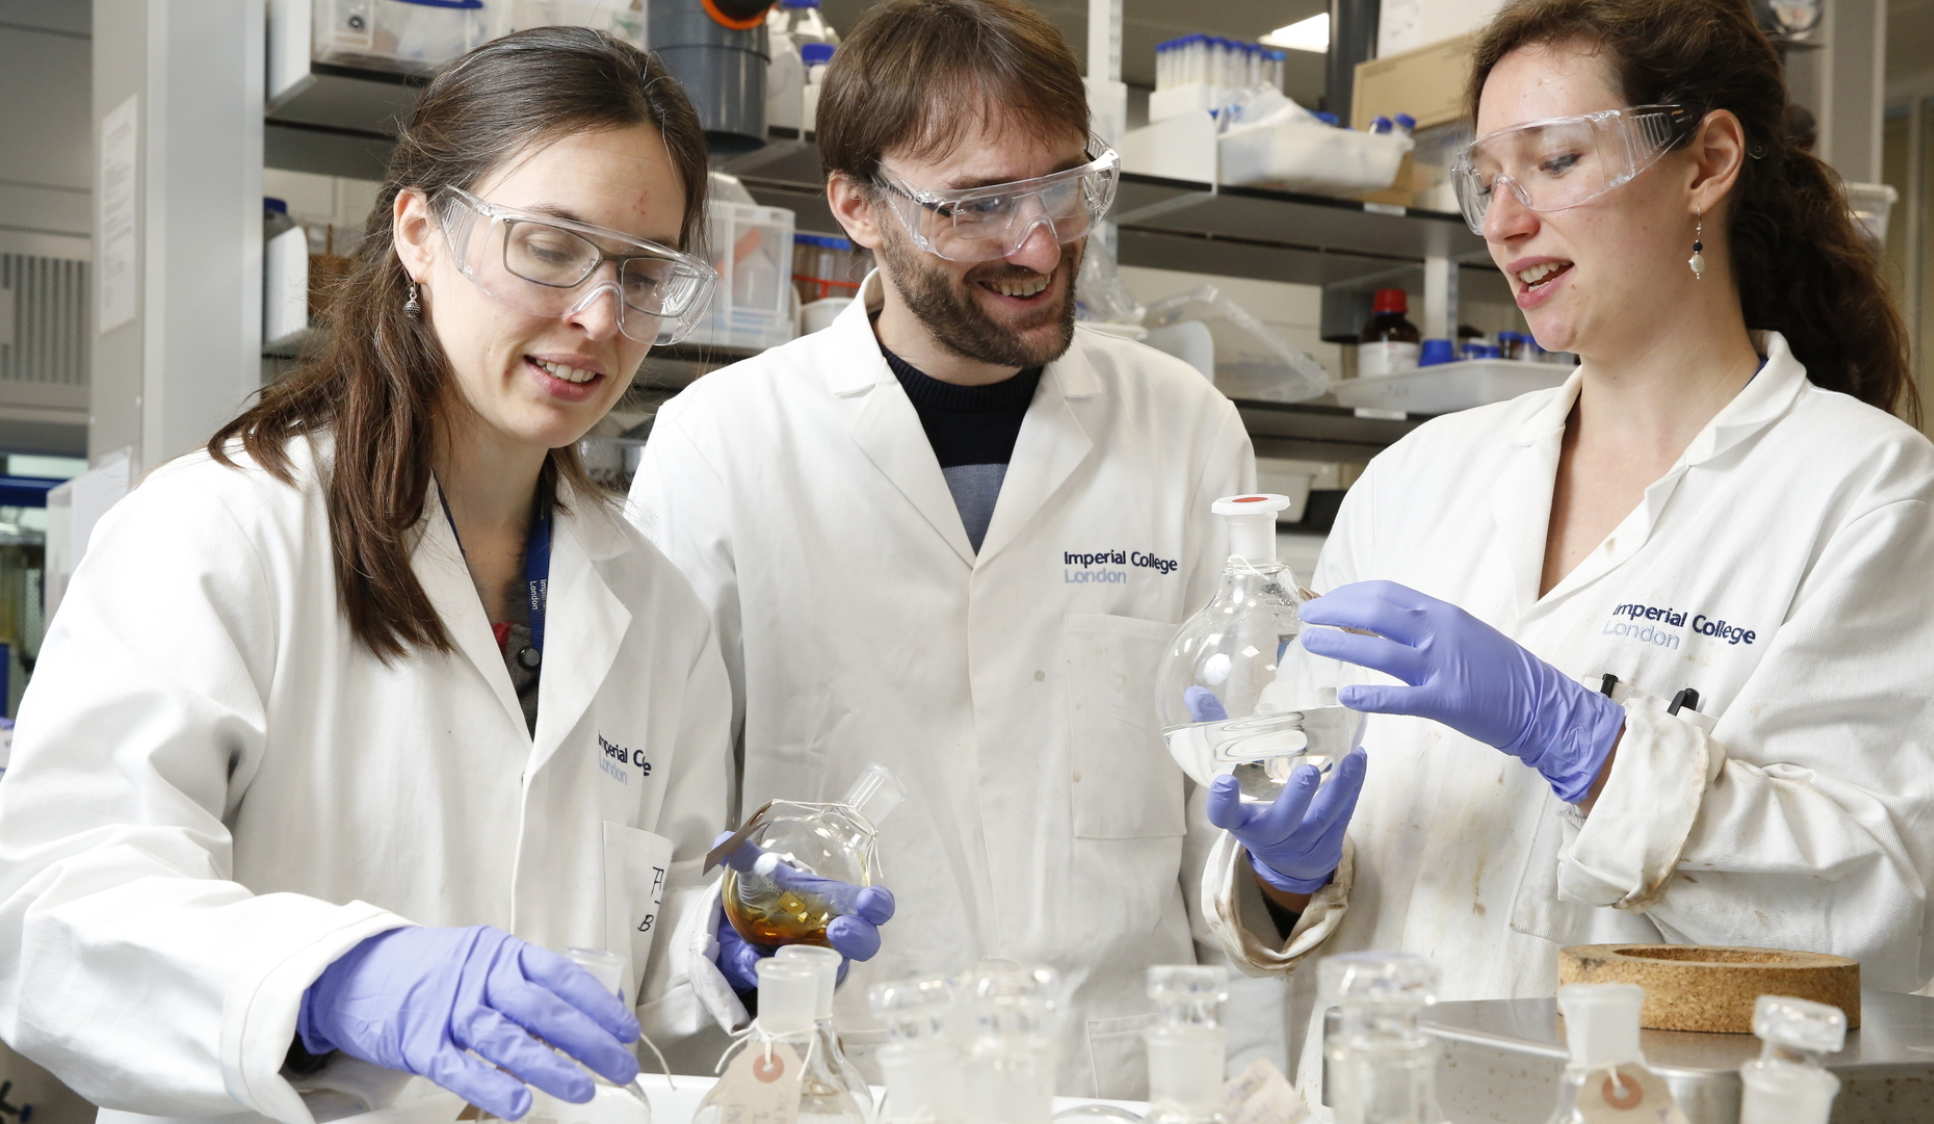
pixel 1237 692
pixel 609 1104
pixel 1382 1067
pixel 751 247
pixel 406 35
pixel 774 895
pixel 1251 360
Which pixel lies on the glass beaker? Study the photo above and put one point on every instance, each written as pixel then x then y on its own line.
pixel 609 1103
pixel 1237 693
pixel 804 862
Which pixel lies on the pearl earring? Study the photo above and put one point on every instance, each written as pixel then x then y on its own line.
pixel 1697 262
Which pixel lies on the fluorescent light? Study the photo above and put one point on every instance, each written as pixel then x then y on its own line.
pixel 1312 34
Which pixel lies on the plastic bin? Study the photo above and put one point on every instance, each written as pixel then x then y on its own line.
pixel 407 35
pixel 1299 156
pixel 1450 386
pixel 1251 360
pixel 751 247
pixel 1871 203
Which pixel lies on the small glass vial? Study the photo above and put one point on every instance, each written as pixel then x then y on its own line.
pixel 1382 1066
pixel 1187 1047
pixel 1607 1077
pixel 852 1087
pixel 1011 1055
pixel 923 1067
pixel 775 891
pixel 609 1104
pixel 1787 1083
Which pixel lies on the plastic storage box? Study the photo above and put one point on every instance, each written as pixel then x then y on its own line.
pixel 751 247
pixel 1304 157
pixel 1446 387
pixel 1250 360
pixel 1871 203
pixel 408 35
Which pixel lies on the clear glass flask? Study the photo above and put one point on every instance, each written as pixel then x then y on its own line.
pixel 775 892
pixel 1382 1067
pixel 1787 1083
pixel 609 1104
pixel 1607 1076
pixel 1187 1047
pixel 785 1037
pixel 1236 692
pixel 1011 1052
pixel 852 1084
pixel 920 1061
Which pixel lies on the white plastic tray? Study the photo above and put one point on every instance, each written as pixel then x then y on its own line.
pixel 1305 157
pixel 1450 386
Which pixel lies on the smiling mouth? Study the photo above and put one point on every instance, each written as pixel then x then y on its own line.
pixel 1019 288
pixel 562 372
pixel 1541 274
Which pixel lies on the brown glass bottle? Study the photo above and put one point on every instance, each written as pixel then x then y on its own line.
pixel 1389 343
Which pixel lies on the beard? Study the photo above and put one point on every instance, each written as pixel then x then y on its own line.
pixel 944 304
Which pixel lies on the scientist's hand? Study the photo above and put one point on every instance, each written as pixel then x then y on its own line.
pixel 855 934
pixel 1457 670
pixel 1295 843
pixel 424 1000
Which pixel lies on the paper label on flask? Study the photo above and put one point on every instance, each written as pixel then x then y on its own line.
pixel 761 1086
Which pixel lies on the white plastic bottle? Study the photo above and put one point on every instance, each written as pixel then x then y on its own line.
pixel 785 82
pixel 1787 1084
pixel 817 57
pixel 804 22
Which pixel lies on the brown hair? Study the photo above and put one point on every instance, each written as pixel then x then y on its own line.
pixel 377 379
pixel 1804 268
pixel 918 73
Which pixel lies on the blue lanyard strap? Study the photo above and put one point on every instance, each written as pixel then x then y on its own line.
pixel 537 567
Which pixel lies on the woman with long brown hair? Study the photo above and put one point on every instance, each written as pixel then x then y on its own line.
pixel 1654 646
pixel 335 707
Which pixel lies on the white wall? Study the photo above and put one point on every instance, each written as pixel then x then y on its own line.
pixel 46 135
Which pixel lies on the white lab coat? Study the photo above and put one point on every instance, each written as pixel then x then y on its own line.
pixel 1796 810
pixel 216 790
pixel 1010 691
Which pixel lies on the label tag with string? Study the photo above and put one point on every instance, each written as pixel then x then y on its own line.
pixel 1629 1094
pixel 760 1086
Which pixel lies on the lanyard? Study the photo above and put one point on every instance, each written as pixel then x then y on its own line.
pixel 537 577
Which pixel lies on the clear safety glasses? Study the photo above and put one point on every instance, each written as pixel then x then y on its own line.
pixel 539 264
pixel 985 223
pixel 1562 162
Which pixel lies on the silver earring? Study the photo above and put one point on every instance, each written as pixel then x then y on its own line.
pixel 1697 262
pixel 412 307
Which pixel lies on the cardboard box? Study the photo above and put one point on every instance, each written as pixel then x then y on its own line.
pixel 1427 83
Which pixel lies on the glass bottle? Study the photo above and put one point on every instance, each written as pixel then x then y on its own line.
pixel 1389 342
pixel 785 1029
pixel 1187 1047
pixel 1382 1067
pixel 776 890
pixel 1787 1084
pixel 1607 1071
pixel 1237 693
pixel 1011 1054
pixel 609 1104
pixel 922 1065
pixel 852 1086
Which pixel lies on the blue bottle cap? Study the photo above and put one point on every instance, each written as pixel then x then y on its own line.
pixel 816 52
pixel 1434 352
pixel 1406 122
pixel 1380 125
pixel 1327 118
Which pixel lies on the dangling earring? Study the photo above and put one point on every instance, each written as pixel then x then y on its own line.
pixel 413 308
pixel 1697 262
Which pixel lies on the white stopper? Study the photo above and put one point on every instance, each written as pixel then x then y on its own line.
pixel 1191 994
pixel 1252 525
pixel 1602 1023
pixel 874 794
pixel 788 996
pixel 825 965
pixel 1800 1024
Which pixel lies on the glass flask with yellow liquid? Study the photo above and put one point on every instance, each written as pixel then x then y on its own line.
pixel 804 863
pixel 1237 692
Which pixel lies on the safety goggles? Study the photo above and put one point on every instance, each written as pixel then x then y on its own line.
pixel 1562 162
pixel 985 223
pixel 539 264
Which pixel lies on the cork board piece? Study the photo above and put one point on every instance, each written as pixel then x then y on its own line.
pixel 1711 990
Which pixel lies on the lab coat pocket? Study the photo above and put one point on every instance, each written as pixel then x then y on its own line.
pixel 636 864
pixel 1116 1054
pixel 1124 784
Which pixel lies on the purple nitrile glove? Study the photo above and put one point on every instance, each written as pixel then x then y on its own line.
pixel 1457 670
pixel 1296 842
pixel 855 935
pixel 424 1000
